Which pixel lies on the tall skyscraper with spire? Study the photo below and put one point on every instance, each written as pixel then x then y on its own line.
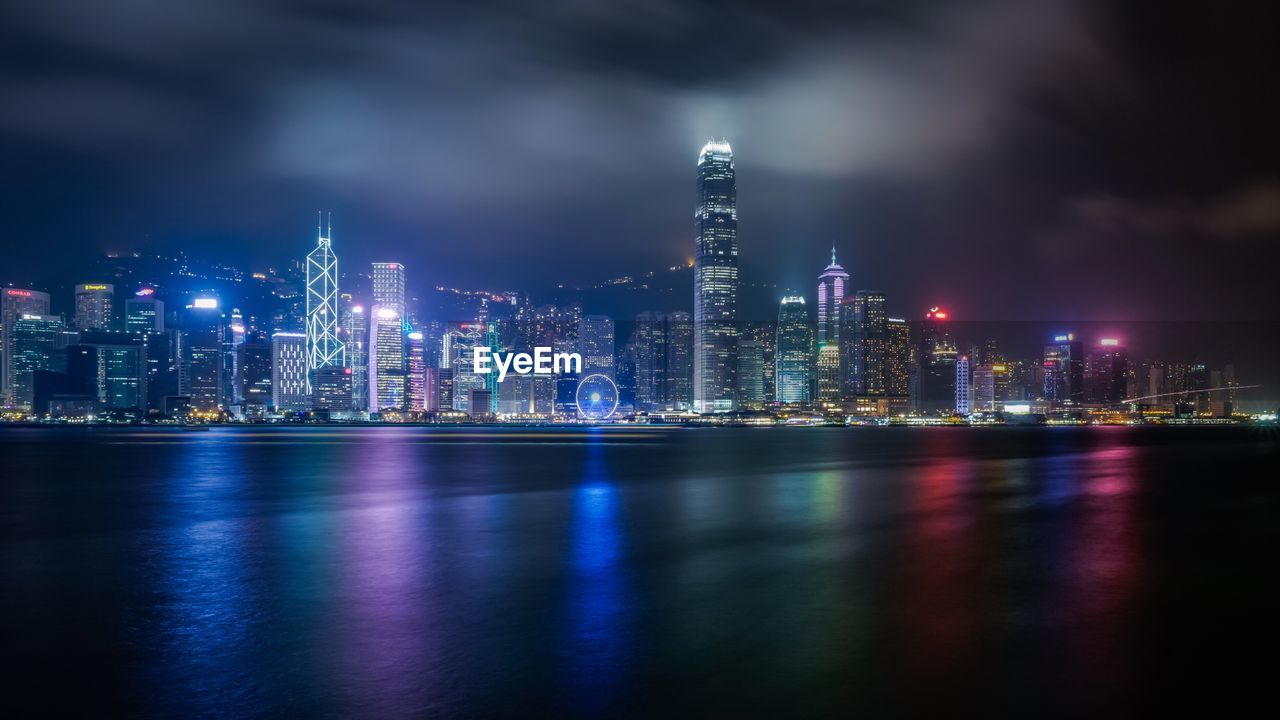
pixel 715 281
pixel 831 284
pixel 324 349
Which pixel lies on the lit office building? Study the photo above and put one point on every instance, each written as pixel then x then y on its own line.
pixel 93 306
pixel 1064 370
pixel 964 401
pixel 289 372
pixel 831 285
pixel 34 340
pixel 431 388
pixel 794 349
pixel 679 394
pixel 936 357
pixel 416 382
pixel 14 303
pixel 202 379
pixel 324 349
pixel 828 367
pixel 897 374
pixel 596 342
pixel 984 389
pixel 750 373
pixel 868 366
pixel 1106 374
pixel 386 359
pixel 331 389
pixel 651 362
pixel 358 357
pixel 715 281
pixel 765 333
pixel 255 378
pixel 110 368
pixel 388 286
pixel 143 313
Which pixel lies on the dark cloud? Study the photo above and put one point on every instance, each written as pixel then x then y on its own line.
pixel 947 148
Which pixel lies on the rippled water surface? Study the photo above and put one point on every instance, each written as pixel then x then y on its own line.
pixel 389 572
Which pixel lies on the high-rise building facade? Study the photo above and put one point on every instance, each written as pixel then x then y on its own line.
pixel 94 306
pixel 331 389
pixel 1106 374
pixel 1063 365
pixel 34 341
pixel 416 380
pixel 14 303
pixel 388 286
pixel 936 357
pixel 143 314
pixel 255 377
pixel 828 369
pixel 324 349
pixel 202 376
pixel 386 359
pixel 870 344
pixel 831 285
pixel 750 373
pixel 289 372
pixel 679 361
pixel 984 388
pixel 715 281
pixel 964 401
pixel 897 374
pixel 651 362
pixel 596 342
pixel 794 351
pixel 358 357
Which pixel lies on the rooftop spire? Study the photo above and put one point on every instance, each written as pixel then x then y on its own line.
pixel 833 252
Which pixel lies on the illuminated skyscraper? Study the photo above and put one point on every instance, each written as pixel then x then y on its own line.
pixel 870 344
pixel 416 382
pixel 143 313
pixel 964 404
pixel 289 372
pixel 828 367
pixel 34 344
pixel 388 286
pixel 324 349
pixel 331 389
pixel 651 362
pixel 750 373
pixel 14 303
pixel 897 374
pixel 358 357
pixel 984 389
pixel 386 359
pixel 794 351
pixel 936 357
pixel 1064 370
pixel 715 280
pixel 831 284
pixel 93 306
pixel 201 376
pixel 1106 374
pixel 596 342
pixel 679 361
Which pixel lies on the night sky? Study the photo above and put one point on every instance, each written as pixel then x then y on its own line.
pixel 1013 159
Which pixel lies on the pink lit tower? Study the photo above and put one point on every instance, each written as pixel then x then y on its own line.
pixel 831 284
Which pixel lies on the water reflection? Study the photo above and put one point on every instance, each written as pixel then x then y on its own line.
pixel 598 639
pixel 205 607
pixel 387 608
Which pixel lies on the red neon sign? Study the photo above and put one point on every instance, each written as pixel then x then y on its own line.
pixel 18 293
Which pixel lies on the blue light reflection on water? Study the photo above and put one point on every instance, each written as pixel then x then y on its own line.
pixel 598 631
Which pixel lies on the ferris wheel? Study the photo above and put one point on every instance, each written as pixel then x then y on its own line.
pixel 597 397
